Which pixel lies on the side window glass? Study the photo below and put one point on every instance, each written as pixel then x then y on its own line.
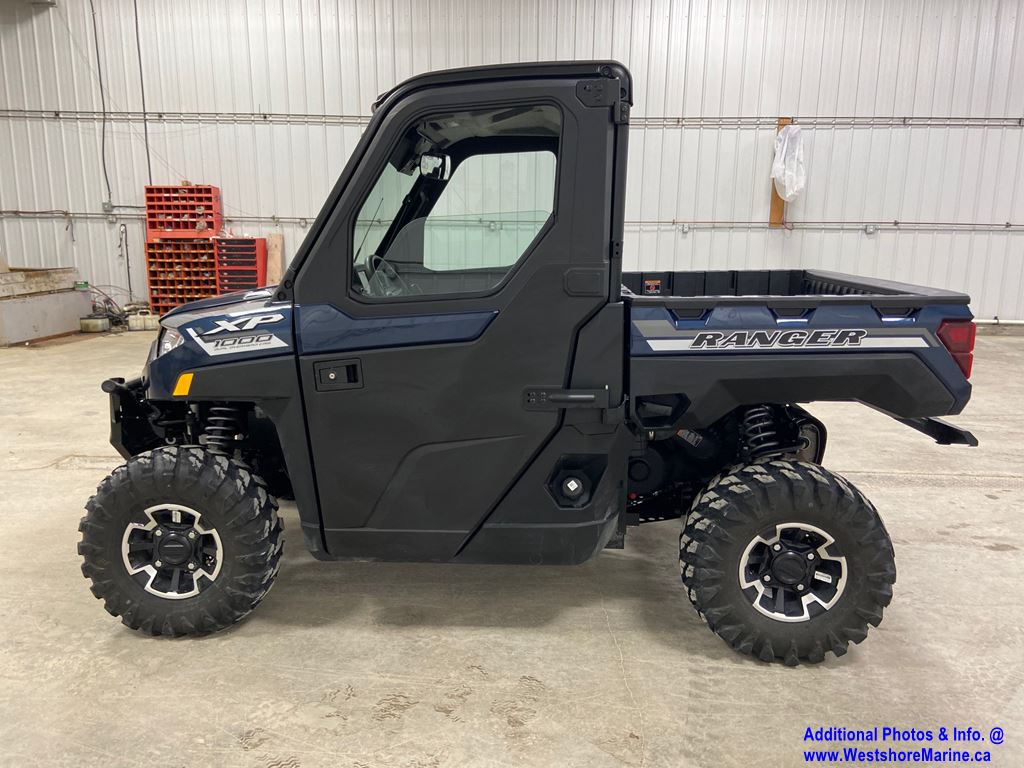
pixel 458 204
pixel 490 211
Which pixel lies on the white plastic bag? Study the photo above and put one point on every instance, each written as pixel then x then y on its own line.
pixel 788 165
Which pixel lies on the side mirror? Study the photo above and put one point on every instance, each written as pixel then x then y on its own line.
pixel 436 167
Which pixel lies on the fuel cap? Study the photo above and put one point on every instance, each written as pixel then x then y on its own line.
pixel 573 487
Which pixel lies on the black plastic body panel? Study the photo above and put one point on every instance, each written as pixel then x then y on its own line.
pixel 896 382
pixel 601 353
pixel 534 528
pixel 273 385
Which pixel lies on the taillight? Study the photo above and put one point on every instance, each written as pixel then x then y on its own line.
pixel 958 337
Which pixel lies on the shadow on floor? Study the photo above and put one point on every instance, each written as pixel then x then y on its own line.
pixel 639 583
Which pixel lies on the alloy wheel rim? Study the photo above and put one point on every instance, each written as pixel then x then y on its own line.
pixel 172 555
pixel 793 572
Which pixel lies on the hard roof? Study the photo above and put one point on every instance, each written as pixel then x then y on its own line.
pixel 533 69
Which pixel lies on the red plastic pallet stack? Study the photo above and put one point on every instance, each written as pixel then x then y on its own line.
pixel 186 259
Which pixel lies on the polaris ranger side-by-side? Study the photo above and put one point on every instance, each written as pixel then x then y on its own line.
pixel 455 369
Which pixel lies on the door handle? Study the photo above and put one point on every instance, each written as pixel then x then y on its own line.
pixel 572 398
pixel 338 374
pixel 556 398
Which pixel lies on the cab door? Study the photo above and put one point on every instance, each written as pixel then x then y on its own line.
pixel 470 244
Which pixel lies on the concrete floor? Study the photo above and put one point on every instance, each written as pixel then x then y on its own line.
pixel 408 665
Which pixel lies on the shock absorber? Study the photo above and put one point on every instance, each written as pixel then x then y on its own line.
pixel 767 431
pixel 223 422
pixel 760 432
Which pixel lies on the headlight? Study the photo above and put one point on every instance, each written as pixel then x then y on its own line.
pixel 169 339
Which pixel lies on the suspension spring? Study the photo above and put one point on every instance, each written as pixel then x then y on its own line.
pixel 222 424
pixel 760 432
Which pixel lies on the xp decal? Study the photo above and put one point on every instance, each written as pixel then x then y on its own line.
pixel 246 324
pixel 817 338
pixel 240 335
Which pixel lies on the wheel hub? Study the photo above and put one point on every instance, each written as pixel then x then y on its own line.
pixel 792 572
pixel 172 555
pixel 789 567
pixel 174 549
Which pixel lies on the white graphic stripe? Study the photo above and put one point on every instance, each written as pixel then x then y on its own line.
pixel 879 342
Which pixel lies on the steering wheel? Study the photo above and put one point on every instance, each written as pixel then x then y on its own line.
pixel 379 278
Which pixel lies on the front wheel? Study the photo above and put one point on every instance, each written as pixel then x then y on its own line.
pixel 786 560
pixel 179 541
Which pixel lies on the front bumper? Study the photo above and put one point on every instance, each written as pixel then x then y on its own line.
pixel 131 431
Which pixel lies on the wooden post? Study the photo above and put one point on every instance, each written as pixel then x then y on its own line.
pixel 777 214
pixel 275 258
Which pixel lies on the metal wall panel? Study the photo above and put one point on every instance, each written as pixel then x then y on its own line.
pixel 911 111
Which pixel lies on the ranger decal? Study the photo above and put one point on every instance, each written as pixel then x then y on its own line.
pixel 773 339
pixel 784 339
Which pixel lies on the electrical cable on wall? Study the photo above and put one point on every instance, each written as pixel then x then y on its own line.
pixel 122 247
pixel 103 104
pixel 142 90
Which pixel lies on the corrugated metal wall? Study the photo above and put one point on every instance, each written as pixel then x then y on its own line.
pixel 912 113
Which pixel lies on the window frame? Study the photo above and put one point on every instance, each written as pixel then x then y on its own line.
pixel 523 257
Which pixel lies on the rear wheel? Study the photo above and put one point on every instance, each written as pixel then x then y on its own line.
pixel 786 560
pixel 181 541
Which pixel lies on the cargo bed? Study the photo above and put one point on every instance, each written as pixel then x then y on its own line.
pixel 776 288
pixel 719 339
